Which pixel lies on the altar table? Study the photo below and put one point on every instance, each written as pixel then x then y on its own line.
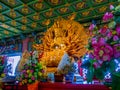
pixel 59 86
pixel 69 86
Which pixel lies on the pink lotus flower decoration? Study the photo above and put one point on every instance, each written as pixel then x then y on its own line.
pixel 109 35
pixel 103 30
pixel 118 30
pixel 92 26
pixel 115 38
pixel 107 16
pixel 116 49
pixel 103 51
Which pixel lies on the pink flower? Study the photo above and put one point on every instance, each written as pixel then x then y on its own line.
pixel 103 52
pixel 23 71
pixel 109 35
pixel 101 41
pixel 103 30
pixel 111 7
pixel 31 71
pixel 107 16
pixel 94 42
pixel 91 56
pixel 26 75
pixel 106 57
pixel 33 78
pixel 116 49
pixel 115 38
pixel 118 30
pixel 92 26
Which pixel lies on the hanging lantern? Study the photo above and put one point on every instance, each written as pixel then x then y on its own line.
pixel 36 16
pixel 34 25
pixel 25 9
pixel 13 22
pixel 12 2
pixel 23 27
pixel 12 13
pixel 24 19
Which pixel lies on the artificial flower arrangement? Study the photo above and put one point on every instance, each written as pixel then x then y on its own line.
pixel 105 44
pixel 32 71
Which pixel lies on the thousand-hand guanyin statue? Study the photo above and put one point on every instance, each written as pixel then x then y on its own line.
pixel 63 36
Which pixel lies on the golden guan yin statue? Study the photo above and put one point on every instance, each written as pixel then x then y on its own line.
pixel 63 36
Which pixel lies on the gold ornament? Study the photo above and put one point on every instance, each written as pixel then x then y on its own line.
pixel 34 25
pixel 24 19
pixel 46 22
pixel 98 1
pixel 49 13
pixel 36 16
pixel 12 13
pixel 72 17
pixel 2 17
pixel 54 1
pixel 0 7
pixel 25 9
pixel 6 32
pixel 64 9
pixel 38 5
pixel 13 22
pixel 23 27
pixel 103 9
pixel 80 5
pixel 86 13
pixel 11 2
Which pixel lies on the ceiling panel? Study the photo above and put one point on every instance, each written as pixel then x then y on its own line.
pixel 19 17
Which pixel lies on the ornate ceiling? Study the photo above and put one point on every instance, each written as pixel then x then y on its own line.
pixel 20 17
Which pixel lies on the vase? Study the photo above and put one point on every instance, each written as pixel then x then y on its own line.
pixel 33 86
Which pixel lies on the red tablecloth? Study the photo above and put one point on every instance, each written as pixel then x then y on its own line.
pixel 59 86
pixel 69 86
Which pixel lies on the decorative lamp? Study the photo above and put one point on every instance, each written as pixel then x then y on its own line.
pixel 12 13
pixel 25 9
pixel 36 16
